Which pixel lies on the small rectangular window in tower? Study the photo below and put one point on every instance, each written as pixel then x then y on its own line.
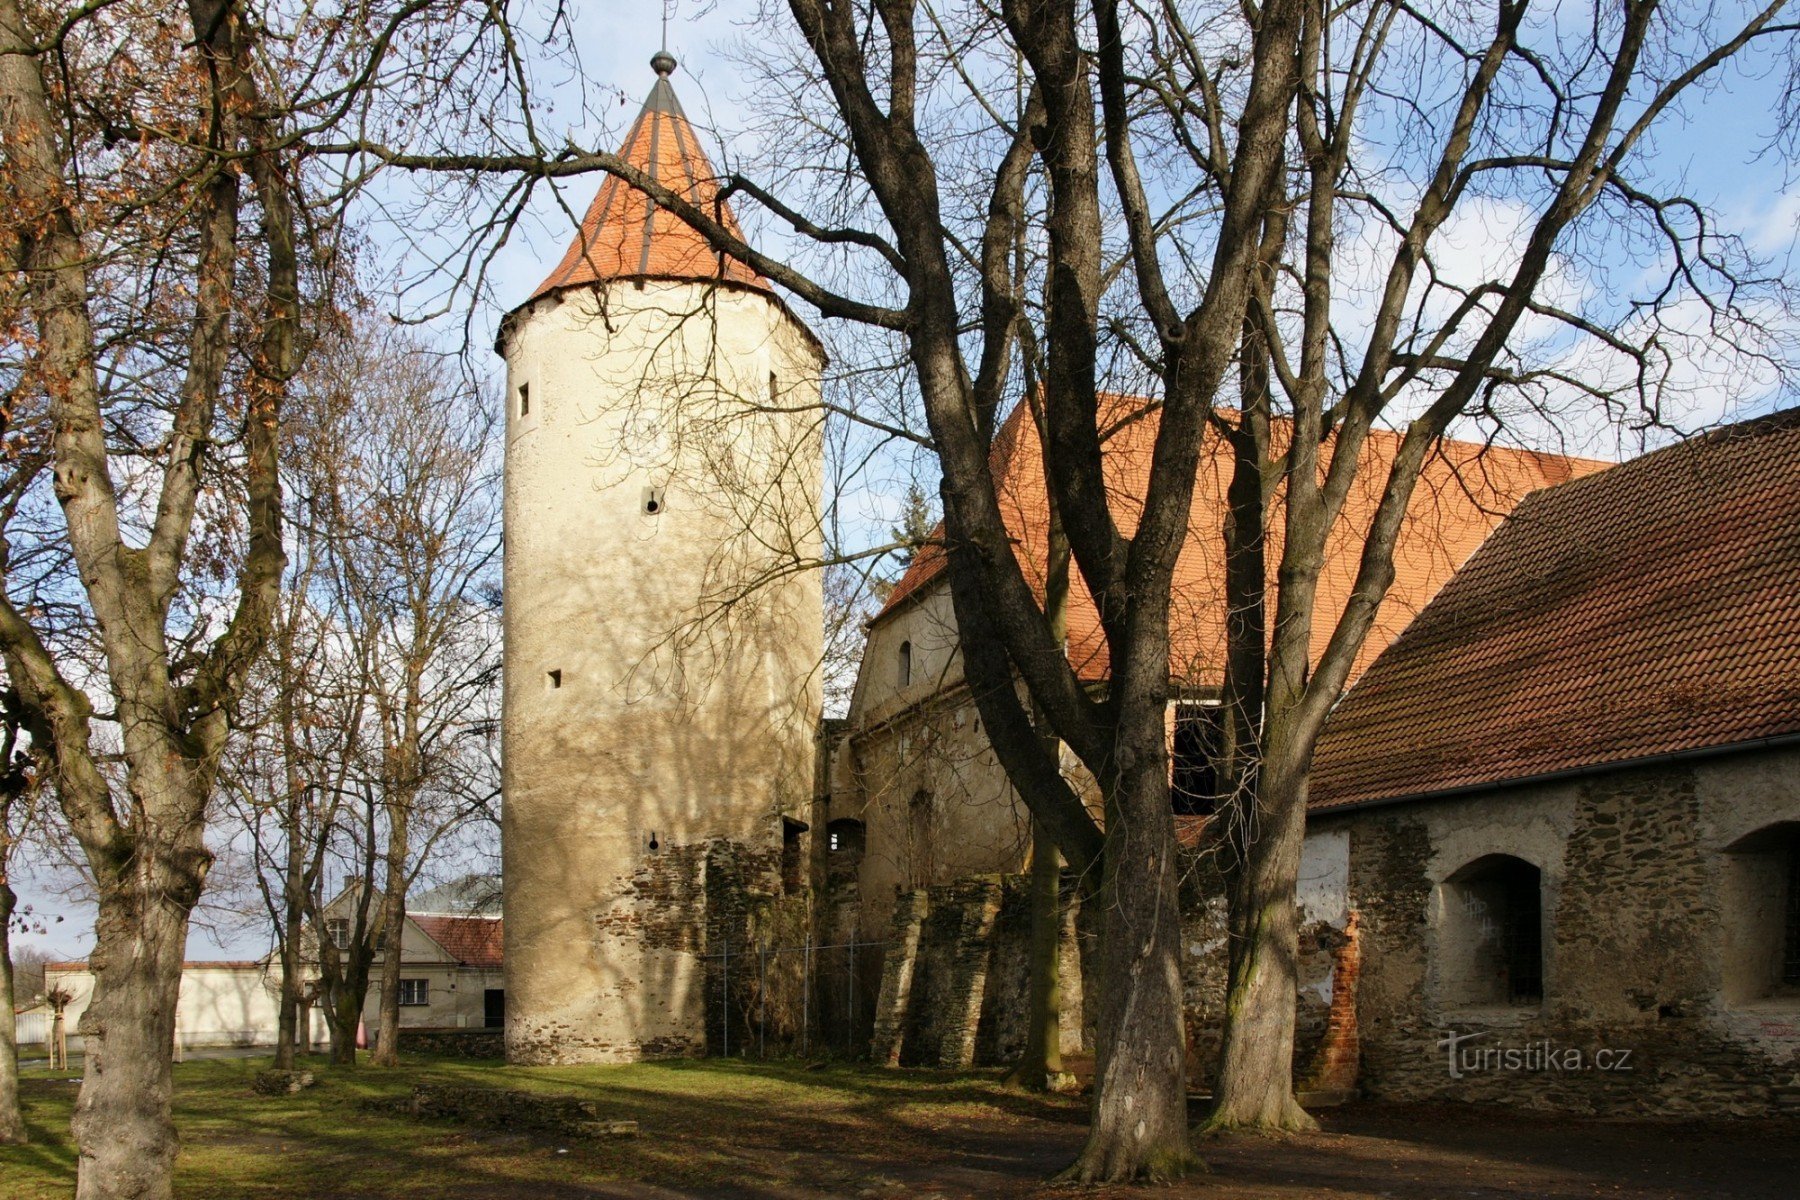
pixel 905 670
pixel 652 501
pixel 552 679
pixel 774 388
pixel 524 399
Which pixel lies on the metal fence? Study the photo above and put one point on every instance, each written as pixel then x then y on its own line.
pixel 774 1000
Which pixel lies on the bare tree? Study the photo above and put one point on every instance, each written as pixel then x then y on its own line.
pixel 414 539
pixel 160 260
pixel 288 775
pixel 1184 173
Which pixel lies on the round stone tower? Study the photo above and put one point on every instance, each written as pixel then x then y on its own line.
pixel 663 468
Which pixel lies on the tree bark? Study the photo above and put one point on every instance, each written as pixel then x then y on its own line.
pixel 1040 1065
pixel 1256 1062
pixel 393 927
pixel 1139 1121
pixel 122 1121
pixel 12 1119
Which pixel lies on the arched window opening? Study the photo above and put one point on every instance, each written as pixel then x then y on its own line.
pixel 1762 916
pixel 905 664
pixel 1491 938
pixel 1194 780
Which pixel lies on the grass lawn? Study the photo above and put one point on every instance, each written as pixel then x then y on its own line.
pixel 715 1129
pixel 708 1127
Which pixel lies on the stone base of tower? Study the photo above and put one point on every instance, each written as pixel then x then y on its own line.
pixel 673 962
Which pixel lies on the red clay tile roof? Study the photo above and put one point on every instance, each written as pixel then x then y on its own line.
pixel 626 236
pixel 471 941
pixel 1466 489
pixel 1652 609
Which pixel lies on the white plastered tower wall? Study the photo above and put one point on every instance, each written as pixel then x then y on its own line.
pixel 662 650
pixel 663 625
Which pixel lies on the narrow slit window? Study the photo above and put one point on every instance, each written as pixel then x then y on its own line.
pixel 774 388
pixel 905 667
pixel 553 679
pixel 653 501
pixel 524 399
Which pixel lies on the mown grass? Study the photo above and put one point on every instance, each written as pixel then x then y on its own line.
pixel 757 1127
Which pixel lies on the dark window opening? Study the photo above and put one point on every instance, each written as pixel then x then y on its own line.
pixel 1194 778
pixel 843 850
pixel 653 501
pixel 1494 932
pixel 793 861
pixel 1790 942
pixel 524 399
pixel 1522 938
pixel 414 993
pixel 493 1008
pixel 906 664
pixel 553 679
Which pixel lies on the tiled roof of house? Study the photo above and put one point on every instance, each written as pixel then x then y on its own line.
pixel 1465 490
pixel 625 235
pixel 471 941
pixel 1649 610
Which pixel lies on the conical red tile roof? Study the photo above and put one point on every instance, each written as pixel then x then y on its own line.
pixel 626 235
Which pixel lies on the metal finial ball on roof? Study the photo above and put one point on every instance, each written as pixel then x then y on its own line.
pixel 663 63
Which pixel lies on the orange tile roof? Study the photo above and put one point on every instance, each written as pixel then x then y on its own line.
pixel 1653 609
pixel 625 235
pixel 471 941
pixel 1465 490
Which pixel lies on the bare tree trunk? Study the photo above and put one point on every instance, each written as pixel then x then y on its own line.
pixel 1256 1062
pixel 294 887
pixel 288 1013
pixel 1040 1065
pixel 12 1120
pixel 122 1117
pixel 393 927
pixel 342 1018
pixel 1139 1122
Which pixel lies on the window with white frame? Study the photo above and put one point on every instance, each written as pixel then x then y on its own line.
pixel 338 930
pixel 414 993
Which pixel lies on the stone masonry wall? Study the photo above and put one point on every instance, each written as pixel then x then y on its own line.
pixel 1634 930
